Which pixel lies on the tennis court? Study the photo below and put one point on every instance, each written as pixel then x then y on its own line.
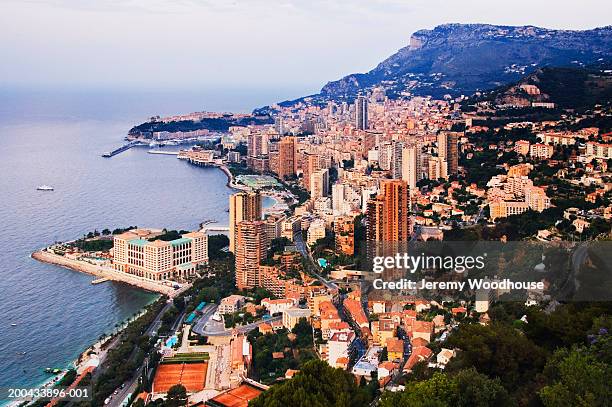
pixel 190 375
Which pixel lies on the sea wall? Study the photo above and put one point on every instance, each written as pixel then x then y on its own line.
pixel 105 272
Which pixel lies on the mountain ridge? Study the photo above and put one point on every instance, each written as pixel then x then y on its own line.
pixel 457 59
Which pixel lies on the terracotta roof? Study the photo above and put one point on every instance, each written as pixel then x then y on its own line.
pixel 395 345
pixel 422 326
pixel 290 373
pixel 388 365
pixel 458 310
pixel 418 354
pixel 418 342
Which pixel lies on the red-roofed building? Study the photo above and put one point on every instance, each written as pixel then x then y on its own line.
pixel 418 355
pixel 459 310
pixel 387 369
pixel 265 328
pixel 356 313
pixel 290 373
pixel 422 329
pixel 418 342
pixel 395 349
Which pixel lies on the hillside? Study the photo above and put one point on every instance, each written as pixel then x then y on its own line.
pixel 566 87
pixel 461 59
pixel 219 124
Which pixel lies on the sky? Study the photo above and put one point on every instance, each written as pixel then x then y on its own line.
pixel 284 44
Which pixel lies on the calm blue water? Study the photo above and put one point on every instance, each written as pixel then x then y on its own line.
pixel 56 139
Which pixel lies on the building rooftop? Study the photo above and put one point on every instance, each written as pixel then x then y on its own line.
pixel 180 241
pixel 298 312
pixel 139 242
pixel 395 345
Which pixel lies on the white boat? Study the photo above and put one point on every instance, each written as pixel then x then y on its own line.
pixel 45 188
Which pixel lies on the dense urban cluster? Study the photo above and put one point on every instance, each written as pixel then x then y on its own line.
pixel 278 312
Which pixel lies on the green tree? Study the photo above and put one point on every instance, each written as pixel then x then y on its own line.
pixel 316 385
pixel 580 376
pixel 177 396
pixel 497 351
pixel 467 388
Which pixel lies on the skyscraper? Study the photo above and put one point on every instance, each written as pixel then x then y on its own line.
pixel 396 160
pixel 361 113
pixel 337 197
pixel 286 157
pixel 251 248
pixel 257 144
pixel 448 150
pixel 387 214
pixel 312 163
pixel 411 166
pixel 319 183
pixel 243 206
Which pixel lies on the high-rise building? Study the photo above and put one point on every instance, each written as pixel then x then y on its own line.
pixel 385 155
pixel 361 113
pixel 448 150
pixel 319 183
pixel 257 144
pixel 337 197
pixel 387 214
pixel 411 166
pixel 243 206
pixel 436 168
pixel 251 248
pixel 273 155
pixel 311 163
pixel 286 157
pixel 396 160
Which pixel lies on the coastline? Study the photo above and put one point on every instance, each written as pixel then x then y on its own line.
pixel 104 272
pixel 87 360
pixel 231 180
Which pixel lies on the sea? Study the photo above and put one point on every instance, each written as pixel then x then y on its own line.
pixel 48 314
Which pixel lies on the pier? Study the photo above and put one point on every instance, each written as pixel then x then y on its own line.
pixel 99 281
pixel 121 149
pixel 207 229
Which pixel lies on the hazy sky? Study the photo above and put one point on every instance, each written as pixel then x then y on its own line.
pixel 297 44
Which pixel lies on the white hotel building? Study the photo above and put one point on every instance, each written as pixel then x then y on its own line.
pixel 159 260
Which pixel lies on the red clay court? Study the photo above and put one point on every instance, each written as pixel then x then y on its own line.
pixel 190 375
pixel 238 397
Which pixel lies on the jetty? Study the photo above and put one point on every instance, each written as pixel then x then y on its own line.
pixel 121 149
pixel 99 280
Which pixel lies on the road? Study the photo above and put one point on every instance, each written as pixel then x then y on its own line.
pixel 298 239
pixel 207 312
pixel 206 326
pixel 154 327
pixel 131 385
